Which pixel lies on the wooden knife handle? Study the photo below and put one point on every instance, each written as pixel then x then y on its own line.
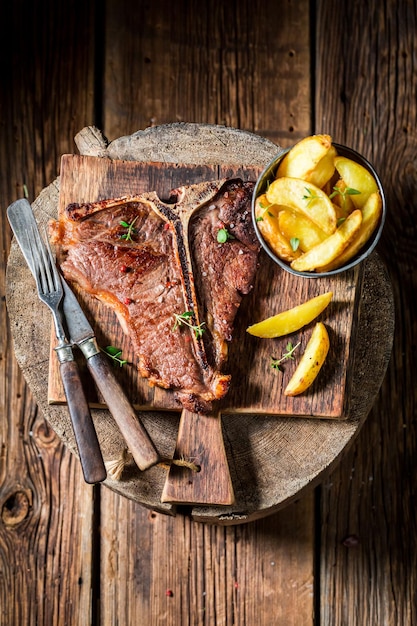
pixel 132 429
pixel 88 446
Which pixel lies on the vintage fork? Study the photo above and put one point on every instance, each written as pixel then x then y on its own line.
pixel 50 289
pixel 50 292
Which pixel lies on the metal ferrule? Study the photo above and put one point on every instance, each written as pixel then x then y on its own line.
pixel 89 347
pixel 64 353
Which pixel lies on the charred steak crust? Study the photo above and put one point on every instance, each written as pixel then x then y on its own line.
pixel 152 261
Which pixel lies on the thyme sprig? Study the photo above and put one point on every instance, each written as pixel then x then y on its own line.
pixel 186 320
pixel 131 230
pixel 309 196
pixel 276 363
pixel 348 191
pixel 265 210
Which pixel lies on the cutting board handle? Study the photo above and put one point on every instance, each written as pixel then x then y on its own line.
pixel 203 475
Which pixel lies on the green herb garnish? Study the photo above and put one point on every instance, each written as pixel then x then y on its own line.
pixel 131 230
pixel 186 320
pixel 309 196
pixel 294 243
pixel 276 363
pixel 223 235
pixel 115 354
pixel 348 191
pixel 265 207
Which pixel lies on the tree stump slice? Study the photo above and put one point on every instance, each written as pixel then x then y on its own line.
pixel 272 460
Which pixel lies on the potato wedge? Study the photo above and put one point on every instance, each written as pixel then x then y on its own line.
pixel 342 199
pixel 304 157
pixel 291 320
pixel 305 198
pixel 267 221
pixel 371 214
pixel 324 170
pixel 327 251
pixel 356 176
pixel 311 362
pixel 296 226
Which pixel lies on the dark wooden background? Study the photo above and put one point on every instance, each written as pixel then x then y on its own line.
pixel 343 554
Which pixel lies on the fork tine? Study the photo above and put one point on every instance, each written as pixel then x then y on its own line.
pixel 38 265
pixel 55 274
pixel 34 256
pixel 45 269
pixel 43 266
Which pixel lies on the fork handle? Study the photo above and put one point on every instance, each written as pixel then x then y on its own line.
pixel 88 446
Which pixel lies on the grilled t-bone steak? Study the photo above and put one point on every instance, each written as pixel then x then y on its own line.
pixel 152 261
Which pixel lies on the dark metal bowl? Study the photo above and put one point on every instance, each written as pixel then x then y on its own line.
pixel 268 175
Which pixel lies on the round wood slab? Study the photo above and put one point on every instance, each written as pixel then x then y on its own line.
pixel 272 459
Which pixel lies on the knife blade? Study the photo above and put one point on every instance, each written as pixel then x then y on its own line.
pixel 22 222
pixel 81 333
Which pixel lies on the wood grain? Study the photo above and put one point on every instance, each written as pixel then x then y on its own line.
pixel 206 481
pixel 205 574
pixel 46 509
pixel 195 62
pixel 368 537
pixel 282 70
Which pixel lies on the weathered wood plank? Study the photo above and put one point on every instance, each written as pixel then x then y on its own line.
pixel 369 521
pixel 195 63
pixel 240 64
pixel 46 576
pixel 366 80
pixel 183 572
pixel 46 510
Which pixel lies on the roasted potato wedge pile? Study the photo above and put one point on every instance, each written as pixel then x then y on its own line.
pixel 320 209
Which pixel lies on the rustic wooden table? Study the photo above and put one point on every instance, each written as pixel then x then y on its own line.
pixel 342 553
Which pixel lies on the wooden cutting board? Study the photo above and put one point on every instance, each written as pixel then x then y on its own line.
pixel 256 387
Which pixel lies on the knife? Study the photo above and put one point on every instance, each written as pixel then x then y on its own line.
pixel 22 222
pixel 82 334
